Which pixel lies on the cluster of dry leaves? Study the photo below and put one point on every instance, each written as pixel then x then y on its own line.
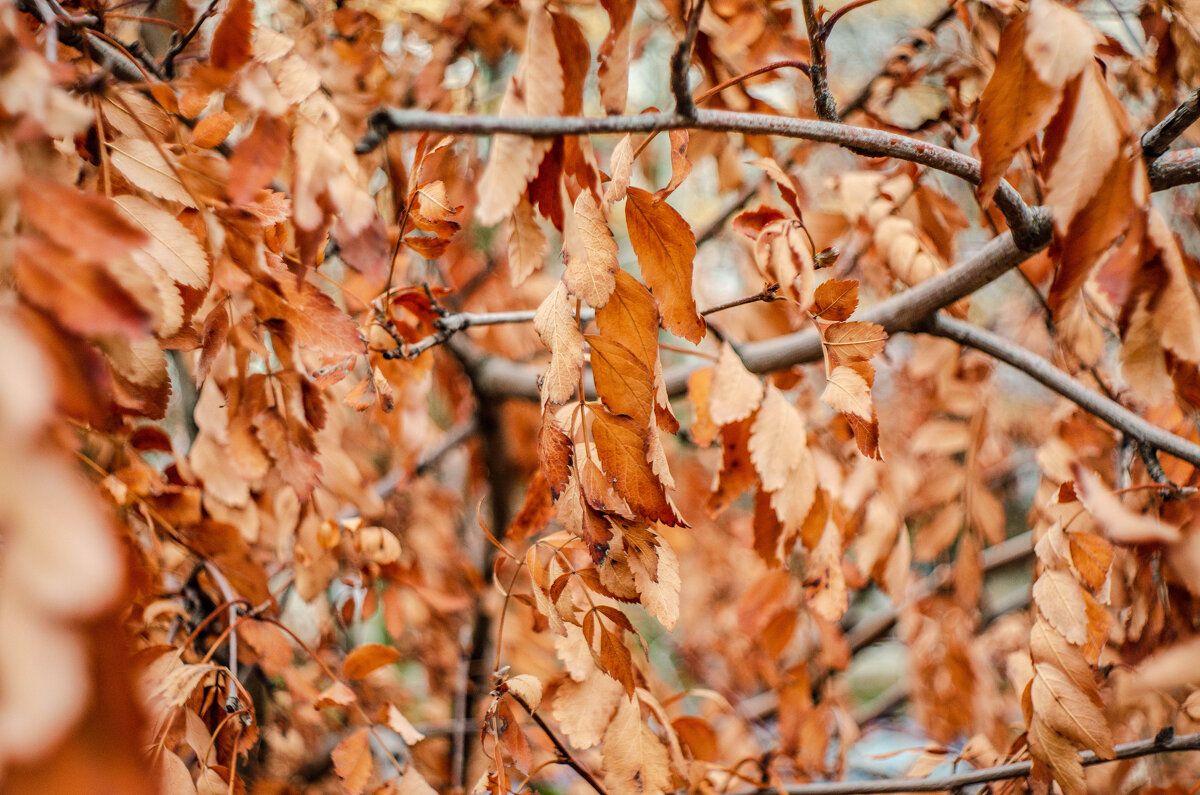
pixel 269 523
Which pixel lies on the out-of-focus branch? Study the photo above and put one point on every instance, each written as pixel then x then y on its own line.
pixel 957 781
pixel 1177 168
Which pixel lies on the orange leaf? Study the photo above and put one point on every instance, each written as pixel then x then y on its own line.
pixel 835 300
pixel 365 659
pixel 213 129
pixel 622 381
pixel 352 761
pixel 631 316
pixel 231 45
pixel 665 248
pixel 622 444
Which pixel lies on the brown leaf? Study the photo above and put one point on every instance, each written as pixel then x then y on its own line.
pixel 558 328
pixel 1119 523
pixel 526 242
pixel 777 440
pixel 665 248
pixel 365 659
pixel 635 761
pixel 1060 599
pixel 77 221
pixel 631 316
pixel 613 55
pixel 352 761
pixel 737 474
pixel 231 42
pixel 213 129
pixel 554 449
pixel 853 341
pixel 168 243
pixel 848 392
pixel 680 165
pixel 257 158
pixel 783 253
pixel 145 166
pixel 584 708
pixel 622 445
pixel 1068 710
pixel 1015 105
pixel 703 429
pixel 591 277
pixel 622 381
pixel 80 295
pixel 835 300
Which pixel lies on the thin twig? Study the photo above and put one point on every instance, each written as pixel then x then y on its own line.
pixel 230 597
pixel 955 782
pixel 1044 372
pixel 681 62
pixel 1159 138
pixel 823 101
pixel 180 43
pixel 563 752
pixel 827 26
pixel 766 296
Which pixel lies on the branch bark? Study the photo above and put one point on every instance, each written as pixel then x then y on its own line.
pixel 874 143
pixel 955 782
pixel 1050 376
pixel 681 62
pixel 1162 135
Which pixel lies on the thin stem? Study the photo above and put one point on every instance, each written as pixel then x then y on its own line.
pixel 179 44
pixel 767 295
pixel 228 594
pixel 827 25
pixel 562 749
pixel 794 63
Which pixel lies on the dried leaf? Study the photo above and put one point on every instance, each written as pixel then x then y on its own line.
pixel 848 392
pixel 591 277
pixel 143 165
pixel 558 328
pixel 776 440
pixel 735 392
pixel 170 245
pixel 352 761
pixel 635 761
pixel 365 659
pixel 622 380
pixel 665 248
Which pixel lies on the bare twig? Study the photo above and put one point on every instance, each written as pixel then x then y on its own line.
pixel 1159 138
pixel 955 782
pixel 823 101
pixel 180 43
pixel 563 752
pixel 229 596
pixel 766 296
pixel 875 143
pixel 681 62
pixel 1050 376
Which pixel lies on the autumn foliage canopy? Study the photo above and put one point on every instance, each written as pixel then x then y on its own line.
pixel 623 397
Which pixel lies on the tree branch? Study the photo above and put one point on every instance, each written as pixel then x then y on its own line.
pixel 681 62
pixel 1050 376
pixel 823 101
pixel 955 782
pixel 1181 167
pixel 1160 137
pixel 874 143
